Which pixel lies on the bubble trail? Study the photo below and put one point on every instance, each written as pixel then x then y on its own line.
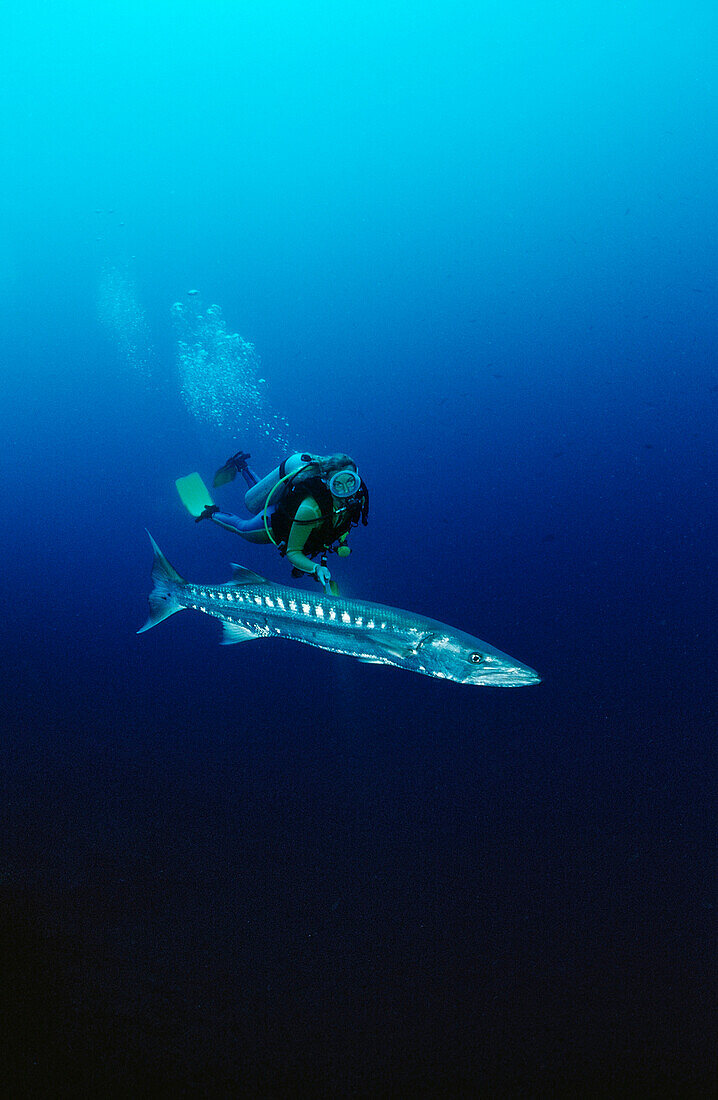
pixel 220 379
pixel 119 309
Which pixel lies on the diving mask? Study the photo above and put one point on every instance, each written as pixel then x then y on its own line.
pixel 344 484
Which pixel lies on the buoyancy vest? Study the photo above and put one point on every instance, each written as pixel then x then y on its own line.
pixel 331 525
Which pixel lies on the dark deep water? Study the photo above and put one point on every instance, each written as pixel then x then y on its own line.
pixel 474 247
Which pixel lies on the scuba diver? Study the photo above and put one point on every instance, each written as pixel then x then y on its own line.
pixel 306 507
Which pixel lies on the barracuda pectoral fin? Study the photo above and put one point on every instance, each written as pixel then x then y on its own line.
pixel 398 648
pixel 232 633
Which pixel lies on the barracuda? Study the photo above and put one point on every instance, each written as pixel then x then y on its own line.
pixel 251 607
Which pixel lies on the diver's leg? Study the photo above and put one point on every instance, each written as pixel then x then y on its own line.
pixel 253 530
pixel 249 476
pixel 240 464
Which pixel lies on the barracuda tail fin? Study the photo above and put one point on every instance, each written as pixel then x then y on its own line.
pixel 162 600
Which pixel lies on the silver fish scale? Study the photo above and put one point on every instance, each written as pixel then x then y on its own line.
pixel 268 609
pixel 250 607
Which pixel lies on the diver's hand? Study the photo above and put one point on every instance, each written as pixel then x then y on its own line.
pixel 207 512
pixel 323 575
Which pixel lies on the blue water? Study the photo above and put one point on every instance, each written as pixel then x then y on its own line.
pixel 472 245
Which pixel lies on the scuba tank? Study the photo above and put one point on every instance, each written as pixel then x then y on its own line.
pixel 257 498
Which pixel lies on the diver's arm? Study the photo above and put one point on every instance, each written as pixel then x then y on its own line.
pixel 306 520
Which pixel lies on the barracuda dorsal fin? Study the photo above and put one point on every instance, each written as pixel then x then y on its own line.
pixel 240 575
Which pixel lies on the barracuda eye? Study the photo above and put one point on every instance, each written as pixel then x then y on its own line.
pixel 476 658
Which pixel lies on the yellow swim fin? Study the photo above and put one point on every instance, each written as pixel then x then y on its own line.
pixel 194 494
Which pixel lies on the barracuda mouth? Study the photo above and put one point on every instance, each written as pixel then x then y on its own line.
pixel 507 677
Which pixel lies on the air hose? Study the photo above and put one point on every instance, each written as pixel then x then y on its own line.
pixel 271 493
